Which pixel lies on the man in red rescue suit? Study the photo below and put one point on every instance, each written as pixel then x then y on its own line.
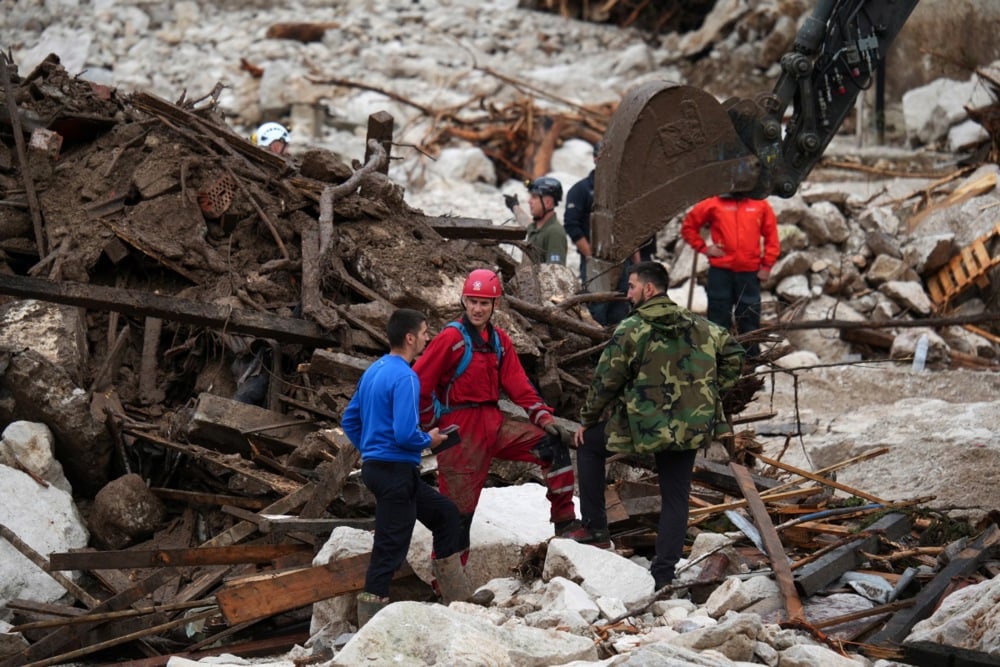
pixel 470 400
pixel 743 245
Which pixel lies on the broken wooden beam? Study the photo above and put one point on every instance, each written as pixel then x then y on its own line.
pixel 188 311
pixel 772 543
pixel 266 595
pixel 719 476
pixel 475 229
pixel 291 524
pixel 210 499
pixel 818 478
pixel 380 125
pixel 336 365
pixel 277 483
pixel 69 637
pixel 965 562
pixel 227 423
pixel 818 574
pixel 229 555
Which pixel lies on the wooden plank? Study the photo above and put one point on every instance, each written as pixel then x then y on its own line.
pixel 475 229
pixel 380 126
pixel 189 311
pixel 211 499
pixel 335 473
pixel 613 506
pixel 226 422
pixel 278 483
pixel 933 654
pixel 772 543
pixel 637 507
pixel 270 646
pixel 267 595
pixel 818 478
pixel 819 573
pixel 228 555
pixel 337 365
pixel 719 476
pixel 965 562
pixel 291 524
pixel 69 637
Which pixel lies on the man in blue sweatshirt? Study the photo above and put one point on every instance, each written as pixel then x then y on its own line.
pixel 381 421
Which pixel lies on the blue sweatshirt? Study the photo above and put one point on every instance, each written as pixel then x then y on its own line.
pixel 381 419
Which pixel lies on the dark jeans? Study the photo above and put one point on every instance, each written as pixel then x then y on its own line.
pixel 592 477
pixel 402 499
pixel 734 294
pixel 675 470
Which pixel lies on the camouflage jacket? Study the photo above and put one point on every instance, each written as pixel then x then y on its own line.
pixel 659 378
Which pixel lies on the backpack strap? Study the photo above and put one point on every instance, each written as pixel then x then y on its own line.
pixel 443 407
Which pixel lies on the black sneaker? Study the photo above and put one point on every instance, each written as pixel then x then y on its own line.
pixel 580 533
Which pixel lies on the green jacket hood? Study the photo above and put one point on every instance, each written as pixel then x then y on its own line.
pixel 661 313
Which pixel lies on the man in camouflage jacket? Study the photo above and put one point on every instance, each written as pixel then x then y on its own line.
pixel 657 384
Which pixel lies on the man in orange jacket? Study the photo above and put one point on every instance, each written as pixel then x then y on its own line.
pixel 743 245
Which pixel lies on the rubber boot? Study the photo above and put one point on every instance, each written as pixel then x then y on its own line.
pixel 451 579
pixel 369 604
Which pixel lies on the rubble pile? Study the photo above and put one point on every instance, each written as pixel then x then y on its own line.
pixel 187 317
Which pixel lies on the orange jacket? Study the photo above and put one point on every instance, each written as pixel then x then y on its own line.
pixel 737 227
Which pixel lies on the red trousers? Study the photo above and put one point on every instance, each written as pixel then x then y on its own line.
pixel 486 435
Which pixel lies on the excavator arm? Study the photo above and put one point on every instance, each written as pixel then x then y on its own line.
pixel 669 146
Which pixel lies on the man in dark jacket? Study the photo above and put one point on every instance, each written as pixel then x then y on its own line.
pixel 579 205
pixel 658 385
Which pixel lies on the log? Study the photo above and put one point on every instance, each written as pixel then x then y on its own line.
pixel 188 311
pixel 555 318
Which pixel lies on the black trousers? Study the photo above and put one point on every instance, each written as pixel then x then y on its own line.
pixel 734 295
pixel 402 499
pixel 591 476
pixel 675 470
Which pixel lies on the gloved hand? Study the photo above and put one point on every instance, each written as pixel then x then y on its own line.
pixel 557 431
pixel 510 201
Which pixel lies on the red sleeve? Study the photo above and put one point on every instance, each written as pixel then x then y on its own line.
pixel 772 244
pixel 696 218
pixel 434 368
pixel 514 382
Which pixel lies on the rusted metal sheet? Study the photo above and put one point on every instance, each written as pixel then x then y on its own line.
pixel 667 147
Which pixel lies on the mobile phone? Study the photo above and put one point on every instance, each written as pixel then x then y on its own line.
pixel 452 439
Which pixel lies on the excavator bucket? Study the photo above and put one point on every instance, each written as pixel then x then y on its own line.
pixel 668 146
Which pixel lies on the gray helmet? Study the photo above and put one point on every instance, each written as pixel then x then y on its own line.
pixel 546 185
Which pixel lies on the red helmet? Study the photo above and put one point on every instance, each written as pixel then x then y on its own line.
pixel 482 283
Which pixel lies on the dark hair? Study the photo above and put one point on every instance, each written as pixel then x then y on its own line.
pixel 401 322
pixel 653 273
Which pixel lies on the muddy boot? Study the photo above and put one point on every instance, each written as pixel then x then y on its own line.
pixel 369 604
pixel 451 579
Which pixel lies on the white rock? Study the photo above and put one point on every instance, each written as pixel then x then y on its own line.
pixel 47 520
pixel 420 633
pixel 600 572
